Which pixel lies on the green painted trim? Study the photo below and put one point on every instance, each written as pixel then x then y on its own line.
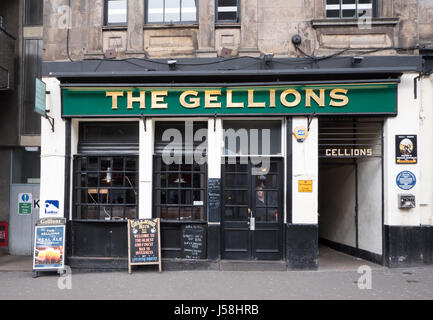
pixel 371 98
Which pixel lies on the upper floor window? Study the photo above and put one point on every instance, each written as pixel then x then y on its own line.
pixel 33 12
pixel 227 10
pixel 116 12
pixel 171 11
pixel 350 8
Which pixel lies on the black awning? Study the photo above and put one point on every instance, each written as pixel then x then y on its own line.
pixel 233 70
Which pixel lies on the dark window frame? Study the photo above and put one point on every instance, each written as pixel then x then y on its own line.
pixel 106 23
pixel 146 15
pixel 162 172
pixel 125 187
pixel 238 13
pixel 375 11
pixel 28 9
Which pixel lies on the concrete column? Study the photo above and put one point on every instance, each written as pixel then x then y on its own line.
pixel 52 151
pixel 249 28
pixel 95 23
pixel 305 167
pixel 215 147
pixel 145 169
pixel 407 122
pixel 206 32
pixel 135 42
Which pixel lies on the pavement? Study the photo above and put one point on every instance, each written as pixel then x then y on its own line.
pixel 338 277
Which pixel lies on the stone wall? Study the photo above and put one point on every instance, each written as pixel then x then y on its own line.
pixel 264 27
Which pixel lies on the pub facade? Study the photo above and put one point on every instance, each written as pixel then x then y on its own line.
pixel 270 128
pixel 264 165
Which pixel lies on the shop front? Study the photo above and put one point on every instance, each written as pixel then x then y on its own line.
pixel 262 170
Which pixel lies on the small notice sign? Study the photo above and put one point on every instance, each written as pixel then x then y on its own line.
pixel 25 203
pixel 305 185
pixel 144 242
pixel 406 149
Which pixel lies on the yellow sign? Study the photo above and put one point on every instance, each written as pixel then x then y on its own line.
pixel 305 185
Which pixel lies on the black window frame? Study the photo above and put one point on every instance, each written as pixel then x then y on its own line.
pixel 217 20
pixel 160 170
pixel 79 172
pixel 374 13
pixel 146 15
pixel 106 23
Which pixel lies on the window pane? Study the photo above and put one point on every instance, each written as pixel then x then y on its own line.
pixel 117 11
pixel 172 11
pixel 227 10
pixel 33 12
pixel 26 166
pixel 252 137
pixel 155 11
pixel 189 10
pixel 32 70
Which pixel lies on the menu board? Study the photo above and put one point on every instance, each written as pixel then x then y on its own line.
pixel 48 252
pixel 144 242
pixel 214 199
pixel 194 241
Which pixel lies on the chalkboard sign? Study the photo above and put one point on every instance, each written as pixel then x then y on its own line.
pixel 214 199
pixel 194 241
pixel 144 242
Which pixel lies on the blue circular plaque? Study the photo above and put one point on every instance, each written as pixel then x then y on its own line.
pixel 406 180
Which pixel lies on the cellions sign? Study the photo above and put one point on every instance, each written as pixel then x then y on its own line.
pixel 371 98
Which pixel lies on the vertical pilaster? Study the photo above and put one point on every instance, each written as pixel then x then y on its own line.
pixel 206 32
pixel 145 169
pixel 95 23
pixel 249 28
pixel 215 141
pixel 135 42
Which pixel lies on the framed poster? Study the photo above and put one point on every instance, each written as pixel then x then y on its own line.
pixel 405 149
pixel 144 242
pixel 48 252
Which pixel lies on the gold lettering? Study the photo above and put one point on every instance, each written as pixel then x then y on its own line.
pixel 139 99
pixel 328 152
pixel 210 99
pixel 251 103
pixel 293 103
pixel 114 95
pixel 230 103
pixel 194 102
pixel 335 95
pixel 272 98
pixel 158 96
pixel 320 100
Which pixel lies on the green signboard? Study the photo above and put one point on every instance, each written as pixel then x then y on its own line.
pixel 366 98
pixel 40 97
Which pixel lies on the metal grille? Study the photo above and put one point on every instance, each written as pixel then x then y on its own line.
pixel 350 138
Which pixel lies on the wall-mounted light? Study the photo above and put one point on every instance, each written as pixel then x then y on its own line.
pixel 32 149
pixel 172 64
pixel 268 58
pixel 357 59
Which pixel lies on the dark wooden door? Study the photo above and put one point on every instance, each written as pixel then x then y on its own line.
pixel 252 210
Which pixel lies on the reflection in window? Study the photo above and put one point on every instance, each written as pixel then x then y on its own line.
pixel 227 10
pixel 350 8
pixel 106 188
pixel 179 191
pixel 171 11
pixel 116 12
pixel 252 137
